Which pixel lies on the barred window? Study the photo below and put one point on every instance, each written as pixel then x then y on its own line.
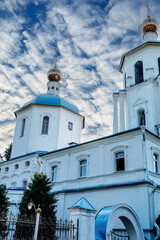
pixel 45 125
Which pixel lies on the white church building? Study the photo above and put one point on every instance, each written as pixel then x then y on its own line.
pixel 114 180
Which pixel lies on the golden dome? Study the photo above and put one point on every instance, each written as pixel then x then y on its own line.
pixel 54 74
pixel 149 25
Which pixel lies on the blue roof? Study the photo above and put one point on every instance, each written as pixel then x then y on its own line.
pixel 83 204
pixel 52 100
pixel 101 222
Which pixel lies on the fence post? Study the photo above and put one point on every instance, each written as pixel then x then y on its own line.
pixel 86 217
pixel 38 211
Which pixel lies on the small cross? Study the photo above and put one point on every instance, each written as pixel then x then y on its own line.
pixel 56 60
pixel 148 10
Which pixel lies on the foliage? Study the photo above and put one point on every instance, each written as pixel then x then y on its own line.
pixel 4 204
pixel 7 153
pixel 39 193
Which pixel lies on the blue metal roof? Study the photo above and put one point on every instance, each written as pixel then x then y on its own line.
pixel 52 100
pixel 101 222
pixel 83 204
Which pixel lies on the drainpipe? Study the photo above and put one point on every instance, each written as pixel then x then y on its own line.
pixel 152 182
pixel 39 163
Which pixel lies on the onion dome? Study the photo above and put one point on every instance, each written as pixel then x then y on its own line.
pixel 149 25
pixel 54 74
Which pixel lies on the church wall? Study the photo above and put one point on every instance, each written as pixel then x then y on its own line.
pixel 142 98
pixel 134 196
pixel 20 143
pixel 44 142
pixel 66 136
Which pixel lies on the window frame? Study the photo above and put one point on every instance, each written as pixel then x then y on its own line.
pixel 117 149
pixel 54 172
pixel 44 130
pixel 158 65
pixel 26 163
pixel 81 166
pixel 139 120
pixel 118 158
pixel 16 166
pixel 70 126
pixel 155 150
pixel 139 74
pixel 23 126
pixel 6 169
pixel 25 183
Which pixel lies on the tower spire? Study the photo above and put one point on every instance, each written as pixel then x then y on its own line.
pixel 149 27
pixel 148 11
pixel 54 77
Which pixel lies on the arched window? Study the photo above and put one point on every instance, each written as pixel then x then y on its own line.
pixel 54 173
pixel 120 161
pixel 139 72
pixel 141 117
pixel 45 125
pixel 159 64
pixel 23 127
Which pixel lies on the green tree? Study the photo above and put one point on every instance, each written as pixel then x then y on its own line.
pixel 4 204
pixel 39 193
pixel 7 153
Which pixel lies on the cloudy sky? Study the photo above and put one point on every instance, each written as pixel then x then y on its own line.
pixel 87 36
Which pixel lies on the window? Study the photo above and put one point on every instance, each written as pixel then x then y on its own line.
pixel 120 165
pixel 24 184
pixel 6 169
pixel 27 163
pixel 45 125
pixel 138 72
pixel 141 117
pixel 23 127
pixel 159 64
pixel 83 168
pixel 54 173
pixel 156 162
pixel 70 126
pixel 16 166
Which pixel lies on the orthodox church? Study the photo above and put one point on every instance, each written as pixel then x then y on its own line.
pixel 117 177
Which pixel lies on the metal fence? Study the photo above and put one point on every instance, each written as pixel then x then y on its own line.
pixel 119 234
pixel 16 227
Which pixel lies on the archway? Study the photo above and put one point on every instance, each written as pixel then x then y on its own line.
pixel 106 218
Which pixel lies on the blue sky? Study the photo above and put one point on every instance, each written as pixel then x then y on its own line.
pixel 88 37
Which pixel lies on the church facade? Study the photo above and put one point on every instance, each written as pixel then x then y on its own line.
pixel 118 176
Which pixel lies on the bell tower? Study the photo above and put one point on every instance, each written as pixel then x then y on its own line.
pixel 138 102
